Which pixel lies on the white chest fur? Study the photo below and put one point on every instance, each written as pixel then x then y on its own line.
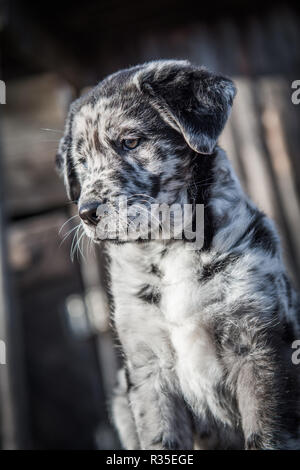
pixel 197 366
pixel 175 329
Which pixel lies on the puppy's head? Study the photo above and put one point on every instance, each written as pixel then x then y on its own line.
pixel 134 136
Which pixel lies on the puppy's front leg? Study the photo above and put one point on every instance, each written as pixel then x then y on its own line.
pixel 122 414
pixel 267 392
pixel 161 417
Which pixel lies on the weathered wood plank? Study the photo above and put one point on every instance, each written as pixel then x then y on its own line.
pixel 271 92
pixel 257 155
pixel 251 150
pixel 229 144
pixel 92 269
pixel 93 265
pixel 13 397
pixel 66 396
pixel 37 253
pixel 29 151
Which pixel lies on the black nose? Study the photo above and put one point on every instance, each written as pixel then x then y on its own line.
pixel 88 213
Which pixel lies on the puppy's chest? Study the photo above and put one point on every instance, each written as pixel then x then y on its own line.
pixel 162 307
pixel 165 283
pixel 191 330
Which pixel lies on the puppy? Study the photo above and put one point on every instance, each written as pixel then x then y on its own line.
pixel 206 329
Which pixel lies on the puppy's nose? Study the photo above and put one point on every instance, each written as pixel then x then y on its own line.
pixel 88 213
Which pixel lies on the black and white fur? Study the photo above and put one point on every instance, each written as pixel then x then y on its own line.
pixel 206 334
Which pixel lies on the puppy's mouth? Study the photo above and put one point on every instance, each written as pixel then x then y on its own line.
pixel 127 222
pixel 143 225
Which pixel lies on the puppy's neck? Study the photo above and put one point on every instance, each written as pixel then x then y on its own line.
pixel 227 209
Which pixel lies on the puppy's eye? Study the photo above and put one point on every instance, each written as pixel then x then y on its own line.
pixel 83 162
pixel 130 144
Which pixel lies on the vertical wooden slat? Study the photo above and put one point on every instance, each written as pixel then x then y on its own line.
pixel 245 122
pixel 8 431
pixel 289 116
pixel 229 143
pixel 271 91
pixel 98 312
pixel 93 265
pixel 13 403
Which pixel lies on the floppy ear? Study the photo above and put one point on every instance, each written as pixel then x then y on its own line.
pixel 191 99
pixel 64 162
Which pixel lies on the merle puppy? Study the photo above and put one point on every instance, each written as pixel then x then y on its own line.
pixel 207 333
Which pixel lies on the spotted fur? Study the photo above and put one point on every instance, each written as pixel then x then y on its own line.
pixel 206 334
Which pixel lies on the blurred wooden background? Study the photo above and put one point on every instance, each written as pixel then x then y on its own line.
pixel 66 361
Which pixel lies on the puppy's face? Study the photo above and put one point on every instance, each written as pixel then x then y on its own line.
pixel 131 141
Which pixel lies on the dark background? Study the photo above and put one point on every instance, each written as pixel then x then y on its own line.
pixel 61 362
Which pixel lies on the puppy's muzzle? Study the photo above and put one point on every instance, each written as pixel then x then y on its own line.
pixel 88 213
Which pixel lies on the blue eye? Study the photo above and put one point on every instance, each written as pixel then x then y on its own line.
pixel 83 162
pixel 130 144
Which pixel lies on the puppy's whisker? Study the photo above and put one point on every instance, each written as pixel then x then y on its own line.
pixel 141 194
pixel 81 245
pixel 68 234
pixel 90 246
pixel 51 130
pixel 78 246
pixel 74 241
pixel 67 221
